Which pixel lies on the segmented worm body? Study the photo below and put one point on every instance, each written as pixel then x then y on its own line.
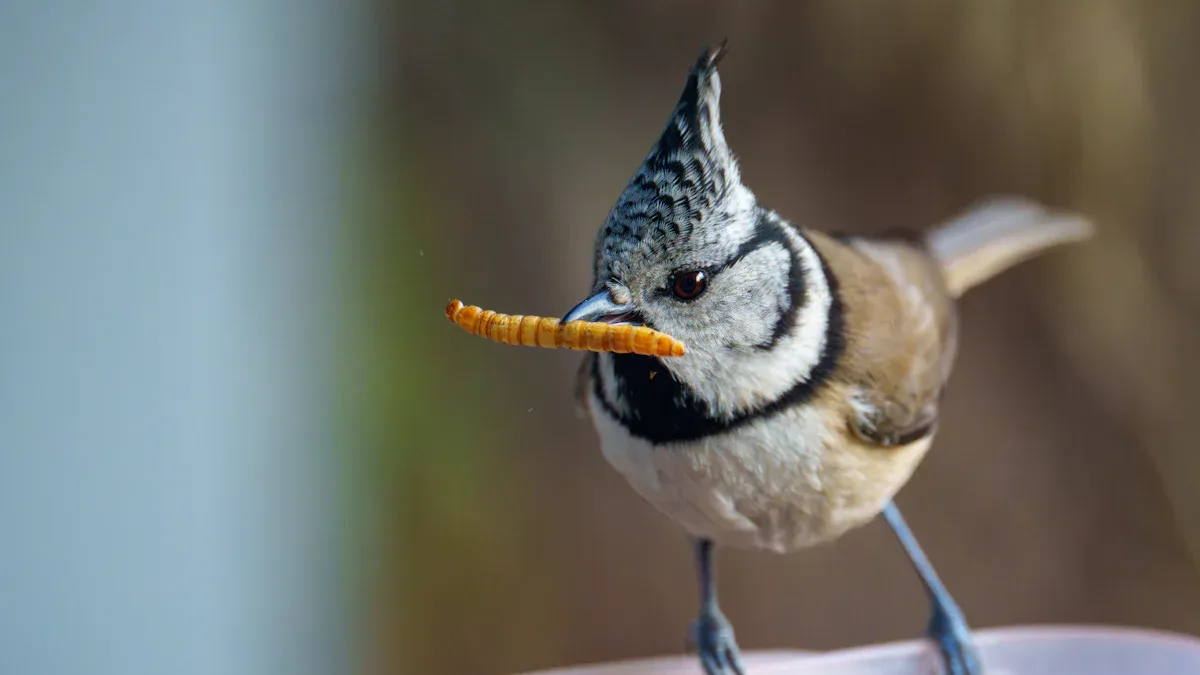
pixel 538 331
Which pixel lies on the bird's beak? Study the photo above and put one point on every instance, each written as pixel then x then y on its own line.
pixel 600 307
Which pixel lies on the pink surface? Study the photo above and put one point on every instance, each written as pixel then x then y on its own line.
pixel 1031 650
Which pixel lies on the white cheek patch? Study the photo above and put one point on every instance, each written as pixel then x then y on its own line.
pixel 737 380
pixel 742 307
pixel 793 359
pixel 753 295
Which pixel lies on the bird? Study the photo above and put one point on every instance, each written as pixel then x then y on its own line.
pixel 815 366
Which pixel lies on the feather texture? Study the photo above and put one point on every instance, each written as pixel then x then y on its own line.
pixel 998 234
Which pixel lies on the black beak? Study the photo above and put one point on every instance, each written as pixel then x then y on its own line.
pixel 600 307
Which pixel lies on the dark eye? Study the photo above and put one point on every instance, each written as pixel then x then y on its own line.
pixel 689 285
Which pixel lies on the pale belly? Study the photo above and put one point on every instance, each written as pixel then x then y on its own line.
pixel 784 483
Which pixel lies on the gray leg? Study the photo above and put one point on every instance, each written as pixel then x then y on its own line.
pixel 711 633
pixel 947 627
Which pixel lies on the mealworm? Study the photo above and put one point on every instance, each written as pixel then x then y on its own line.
pixel 539 331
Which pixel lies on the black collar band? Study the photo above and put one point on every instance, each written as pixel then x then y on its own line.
pixel 663 410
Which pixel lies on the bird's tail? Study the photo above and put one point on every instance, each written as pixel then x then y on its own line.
pixel 998 234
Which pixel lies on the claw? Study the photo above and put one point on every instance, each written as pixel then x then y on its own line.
pixel 949 630
pixel 711 665
pixel 714 641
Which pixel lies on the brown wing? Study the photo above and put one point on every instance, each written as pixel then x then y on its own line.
pixel 900 332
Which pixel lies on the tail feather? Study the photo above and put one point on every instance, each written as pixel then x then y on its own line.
pixel 998 234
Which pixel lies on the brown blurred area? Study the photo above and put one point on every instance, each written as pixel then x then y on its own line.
pixel 1064 483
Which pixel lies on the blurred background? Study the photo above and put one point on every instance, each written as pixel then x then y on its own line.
pixel 238 436
pixel 1065 483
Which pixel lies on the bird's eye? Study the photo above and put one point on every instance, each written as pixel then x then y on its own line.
pixel 689 285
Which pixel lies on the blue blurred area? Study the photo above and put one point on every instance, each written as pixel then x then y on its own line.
pixel 170 196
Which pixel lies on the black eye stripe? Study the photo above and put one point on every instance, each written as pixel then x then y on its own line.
pixel 711 270
pixel 764 236
pixel 768 230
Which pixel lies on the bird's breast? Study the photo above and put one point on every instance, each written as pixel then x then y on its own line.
pixel 783 483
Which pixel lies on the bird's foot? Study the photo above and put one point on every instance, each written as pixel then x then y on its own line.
pixel 713 639
pixel 948 629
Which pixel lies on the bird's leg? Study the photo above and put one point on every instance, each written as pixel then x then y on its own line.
pixel 947 627
pixel 711 633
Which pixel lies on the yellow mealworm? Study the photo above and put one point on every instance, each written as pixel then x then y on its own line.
pixel 539 331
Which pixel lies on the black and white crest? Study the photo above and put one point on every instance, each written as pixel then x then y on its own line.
pixel 757 335
pixel 690 177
